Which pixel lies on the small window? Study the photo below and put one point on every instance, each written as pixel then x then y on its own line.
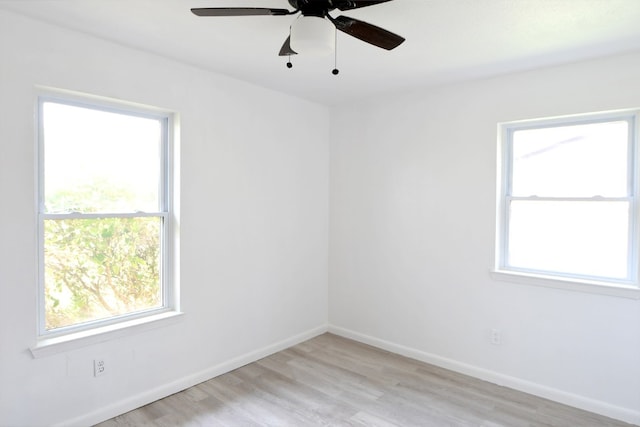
pixel 104 215
pixel 568 201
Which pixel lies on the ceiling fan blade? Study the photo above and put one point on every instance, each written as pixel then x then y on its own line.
pixel 356 4
pixel 368 33
pixel 238 11
pixel 286 50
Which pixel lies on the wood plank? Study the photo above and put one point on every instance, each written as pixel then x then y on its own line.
pixel 331 380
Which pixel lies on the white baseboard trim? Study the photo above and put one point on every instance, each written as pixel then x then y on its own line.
pixel 566 398
pixel 180 384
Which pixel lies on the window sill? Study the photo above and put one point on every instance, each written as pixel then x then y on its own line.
pixel 588 286
pixel 55 345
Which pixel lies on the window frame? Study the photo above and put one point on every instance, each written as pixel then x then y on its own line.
pixel 628 287
pixel 165 212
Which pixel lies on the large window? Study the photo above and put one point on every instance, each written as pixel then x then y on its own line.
pixel 568 200
pixel 104 214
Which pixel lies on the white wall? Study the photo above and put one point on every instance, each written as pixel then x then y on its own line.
pixel 412 232
pixel 412 226
pixel 253 226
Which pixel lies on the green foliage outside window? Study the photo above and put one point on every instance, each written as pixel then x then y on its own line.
pixel 96 268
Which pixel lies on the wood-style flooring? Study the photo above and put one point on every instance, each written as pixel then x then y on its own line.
pixel 333 381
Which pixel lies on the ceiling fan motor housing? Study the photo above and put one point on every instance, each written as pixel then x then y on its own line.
pixel 319 7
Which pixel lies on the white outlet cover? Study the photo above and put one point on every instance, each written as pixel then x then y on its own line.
pixel 99 367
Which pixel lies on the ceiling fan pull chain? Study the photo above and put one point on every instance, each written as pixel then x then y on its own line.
pixel 289 64
pixel 335 58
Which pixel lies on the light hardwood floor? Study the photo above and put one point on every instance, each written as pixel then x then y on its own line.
pixel 333 381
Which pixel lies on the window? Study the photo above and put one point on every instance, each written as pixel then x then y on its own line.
pixel 569 199
pixel 104 215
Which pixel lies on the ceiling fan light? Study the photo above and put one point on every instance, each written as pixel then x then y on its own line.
pixel 313 35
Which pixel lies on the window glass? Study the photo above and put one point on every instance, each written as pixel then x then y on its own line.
pixel 100 268
pixel 99 161
pixel 569 199
pixel 583 238
pixel 103 214
pixel 579 160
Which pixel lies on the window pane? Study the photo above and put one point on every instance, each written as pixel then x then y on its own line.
pixel 571 161
pixel 583 238
pixel 99 268
pixel 97 161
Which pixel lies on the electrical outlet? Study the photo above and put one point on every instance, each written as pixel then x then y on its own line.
pixel 496 337
pixel 99 367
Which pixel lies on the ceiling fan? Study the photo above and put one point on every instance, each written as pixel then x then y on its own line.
pixel 319 9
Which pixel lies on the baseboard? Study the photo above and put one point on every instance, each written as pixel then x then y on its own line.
pixel 165 390
pixel 570 399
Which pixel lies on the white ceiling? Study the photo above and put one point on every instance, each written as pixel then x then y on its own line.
pixel 447 40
